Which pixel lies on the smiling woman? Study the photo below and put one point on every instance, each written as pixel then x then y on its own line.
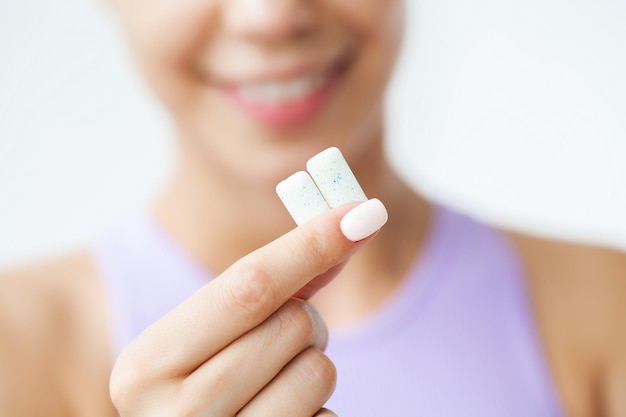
pixel 227 68
pixel 212 303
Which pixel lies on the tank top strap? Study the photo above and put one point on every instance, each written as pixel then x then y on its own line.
pixel 145 274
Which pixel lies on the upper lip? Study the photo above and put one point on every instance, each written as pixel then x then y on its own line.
pixel 292 68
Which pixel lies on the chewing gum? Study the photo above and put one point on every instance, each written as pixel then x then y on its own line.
pixel 331 183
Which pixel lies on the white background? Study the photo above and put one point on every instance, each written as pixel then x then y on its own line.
pixel 514 111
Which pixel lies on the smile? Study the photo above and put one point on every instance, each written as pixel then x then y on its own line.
pixel 283 92
pixel 288 101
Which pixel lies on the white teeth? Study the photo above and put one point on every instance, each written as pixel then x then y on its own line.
pixel 282 92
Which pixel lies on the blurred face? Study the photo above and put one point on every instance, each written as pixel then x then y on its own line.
pixel 258 86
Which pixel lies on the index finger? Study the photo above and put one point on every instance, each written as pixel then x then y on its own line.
pixel 257 285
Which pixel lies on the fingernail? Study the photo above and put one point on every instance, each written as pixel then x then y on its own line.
pixel 363 220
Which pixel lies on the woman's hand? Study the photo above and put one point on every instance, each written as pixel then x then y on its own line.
pixel 247 344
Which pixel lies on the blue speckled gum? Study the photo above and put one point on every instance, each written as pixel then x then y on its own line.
pixel 301 197
pixel 334 179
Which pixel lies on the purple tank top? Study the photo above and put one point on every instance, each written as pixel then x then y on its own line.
pixel 456 339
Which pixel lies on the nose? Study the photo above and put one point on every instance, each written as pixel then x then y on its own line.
pixel 269 20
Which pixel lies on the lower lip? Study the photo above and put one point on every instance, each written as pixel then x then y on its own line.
pixel 290 114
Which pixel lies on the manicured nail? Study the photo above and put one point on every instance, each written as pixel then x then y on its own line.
pixel 363 220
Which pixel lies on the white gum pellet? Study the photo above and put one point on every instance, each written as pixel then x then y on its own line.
pixel 334 179
pixel 301 197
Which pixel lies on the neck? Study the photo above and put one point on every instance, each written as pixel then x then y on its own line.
pixel 215 219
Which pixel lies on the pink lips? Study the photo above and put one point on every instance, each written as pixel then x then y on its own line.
pixel 286 114
pixel 292 110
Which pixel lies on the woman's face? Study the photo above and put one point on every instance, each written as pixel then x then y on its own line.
pixel 258 86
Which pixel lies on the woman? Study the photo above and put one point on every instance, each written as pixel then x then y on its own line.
pixel 435 314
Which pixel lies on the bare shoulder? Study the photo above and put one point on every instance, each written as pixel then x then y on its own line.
pixel 587 275
pixel 40 298
pixel 591 278
pixel 579 297
pixel 54 340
